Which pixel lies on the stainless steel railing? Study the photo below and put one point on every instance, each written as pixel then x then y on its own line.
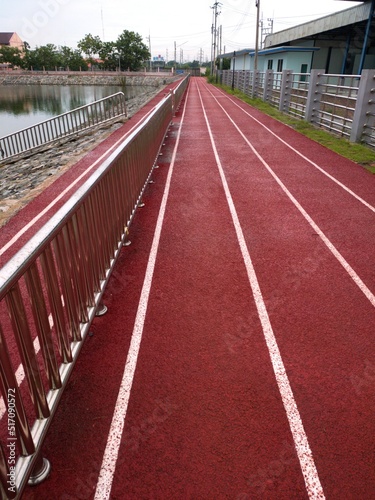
pixel 64 125
pixel 51 290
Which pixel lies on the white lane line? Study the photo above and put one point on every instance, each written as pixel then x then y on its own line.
pixel 343 186
pixel 305 456
pixel 108 467
pixel 25 228
pixel 354 276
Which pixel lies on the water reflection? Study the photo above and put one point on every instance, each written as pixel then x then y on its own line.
pixel 24 105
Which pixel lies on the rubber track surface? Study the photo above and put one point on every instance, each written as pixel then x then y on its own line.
pixel 207 417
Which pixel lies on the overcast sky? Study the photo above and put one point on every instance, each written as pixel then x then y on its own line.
pixel 163 22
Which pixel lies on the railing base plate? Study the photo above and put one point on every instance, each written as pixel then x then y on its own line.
pixel 102 309
pixel 42 472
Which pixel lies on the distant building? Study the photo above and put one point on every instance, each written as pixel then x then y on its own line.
pixel 11 40
pixel 296 59
pixel 345 39
pixel 340 43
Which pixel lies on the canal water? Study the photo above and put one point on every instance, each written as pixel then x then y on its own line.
pixel 24 105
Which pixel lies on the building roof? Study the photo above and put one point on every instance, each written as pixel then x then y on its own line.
pixel 353 15
pixel 229 55
pixel 266 52
pixel 5 38
pixel 288 48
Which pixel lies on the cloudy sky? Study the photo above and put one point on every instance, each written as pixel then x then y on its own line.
pixel 165 23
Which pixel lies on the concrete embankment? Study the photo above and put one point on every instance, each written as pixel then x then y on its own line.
pixel 85 78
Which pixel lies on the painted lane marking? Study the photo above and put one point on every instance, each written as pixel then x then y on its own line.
pixel 354 276
pixel 343 186
pixel 305 456
pixel 108 467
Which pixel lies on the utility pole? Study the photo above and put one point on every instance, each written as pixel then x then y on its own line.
pixel 221 40
pixel 175 56
pixel 149 49
pixel 266 30
pixel 220 45
pixel 101 14
pixel 257 5
pixel 214 34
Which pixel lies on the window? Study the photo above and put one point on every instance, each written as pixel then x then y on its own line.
pixel 302 78
pixel 270 64
pixel 280 65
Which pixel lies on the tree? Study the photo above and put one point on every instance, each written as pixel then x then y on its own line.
pixel 226 63
pixel 10 55
pixel 45 57
pixel 90 45
pixel 72 59
pixel 132 51
pixel 108 55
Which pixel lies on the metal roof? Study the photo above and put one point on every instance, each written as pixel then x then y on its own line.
pixel 229 55
pixel 353 15
pixel 272 50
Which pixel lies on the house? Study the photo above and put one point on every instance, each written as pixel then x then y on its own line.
pixel 239 60
pixel 296 59
pixel 11 40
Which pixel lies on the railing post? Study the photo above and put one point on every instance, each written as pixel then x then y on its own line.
pixel 268 85
pixel 285 91
pixel 363 104
pixel 313 95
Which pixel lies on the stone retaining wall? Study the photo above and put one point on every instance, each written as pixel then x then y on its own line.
pixel 85 79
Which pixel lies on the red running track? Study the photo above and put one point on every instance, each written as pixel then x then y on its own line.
pixel 236 360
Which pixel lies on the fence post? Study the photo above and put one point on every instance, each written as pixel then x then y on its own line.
pixel 313 95
pixel 268 85
pixel 363 104
pixel 243 81
pixel 285 91
pixel 254 91
pixel 237 80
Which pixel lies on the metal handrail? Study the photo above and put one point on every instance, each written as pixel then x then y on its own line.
pixel 64 125
pixel 61 273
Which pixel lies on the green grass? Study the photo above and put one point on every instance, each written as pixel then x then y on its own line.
pixel 356 152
